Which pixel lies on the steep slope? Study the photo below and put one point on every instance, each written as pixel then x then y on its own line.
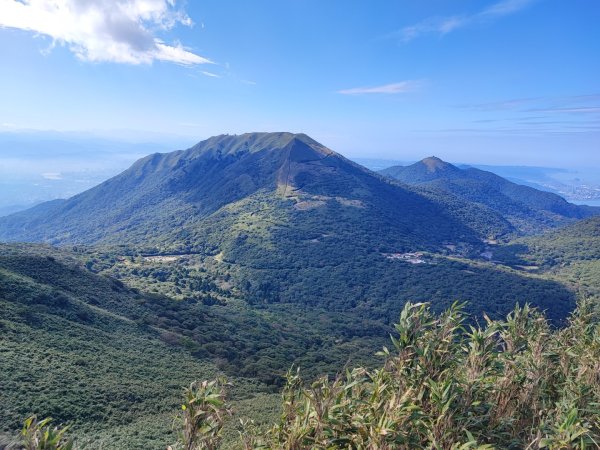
pixel 527 209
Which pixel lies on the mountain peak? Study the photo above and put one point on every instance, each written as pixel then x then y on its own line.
pixel 229 144
pixel 434 164
pixel 424 171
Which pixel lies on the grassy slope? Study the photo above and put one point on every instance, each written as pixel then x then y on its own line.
pixel 113 380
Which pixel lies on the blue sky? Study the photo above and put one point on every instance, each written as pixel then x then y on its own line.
pixel 498 82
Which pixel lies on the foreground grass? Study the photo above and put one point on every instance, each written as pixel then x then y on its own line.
pixel 515 383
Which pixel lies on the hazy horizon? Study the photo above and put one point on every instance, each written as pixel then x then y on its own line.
pixel 12 143
pixel 41 166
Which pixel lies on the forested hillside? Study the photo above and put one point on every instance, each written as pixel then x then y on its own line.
pixel 70 351
pixel 97 336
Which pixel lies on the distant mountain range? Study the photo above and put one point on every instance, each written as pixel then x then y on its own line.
pixel 527 209
pixel 580 185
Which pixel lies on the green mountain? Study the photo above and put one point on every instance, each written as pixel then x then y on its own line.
pixel 287 221
pixel 163 195
pixel 527 209
pixel 426 170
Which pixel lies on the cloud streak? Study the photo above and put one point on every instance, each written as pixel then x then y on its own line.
pixel 583 104
pixel 401 87
pixel 581 110
pixel 444 25
pixel 119 31
pixel 548 114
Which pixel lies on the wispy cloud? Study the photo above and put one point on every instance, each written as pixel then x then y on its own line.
pixel 445 25
pixel 534 115
pixel 518 129
pixel 548 104
pixel 501 105
pixel 120 31
pixel 401 87
pixel 581 110
pixel 210 74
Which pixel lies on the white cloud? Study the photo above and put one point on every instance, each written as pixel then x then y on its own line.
pixel 210 74
pixel 445 25
pixel 120 31
pixel 401 87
